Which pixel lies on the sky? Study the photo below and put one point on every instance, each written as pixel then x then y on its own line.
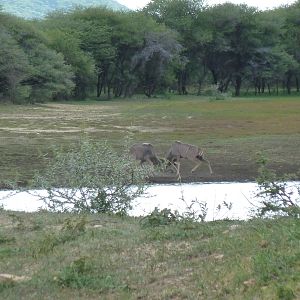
pixel 261 4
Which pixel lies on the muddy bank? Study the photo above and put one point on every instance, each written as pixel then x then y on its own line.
pixel 234 172
pixel 222 172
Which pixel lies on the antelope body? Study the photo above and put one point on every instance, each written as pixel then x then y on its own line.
pixel 144 152
pixel 193 153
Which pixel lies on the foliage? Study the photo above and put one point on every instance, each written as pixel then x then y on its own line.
pixel 91 177
pixel 179 45
pixel 30 71
pixel 280 197
pixel 14 68
pixel 195 211
pixel 32 9
pixel 151 62
pixel 160 217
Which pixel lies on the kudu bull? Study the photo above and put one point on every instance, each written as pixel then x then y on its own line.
pixel 144 152
pixel 193 153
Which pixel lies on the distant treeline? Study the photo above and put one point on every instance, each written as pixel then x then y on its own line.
pixel 171 45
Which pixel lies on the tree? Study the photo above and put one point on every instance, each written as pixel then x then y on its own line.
pixel 14 69
pixel 50 77
pixel 81 62
pixel 39 71
pixel 181 16
pixel 290 40
pixel 151 62
pixel 235 42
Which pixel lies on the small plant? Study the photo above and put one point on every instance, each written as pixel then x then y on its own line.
pixel 81 273
pixel 76 274
pixel 286 293
pixel 279 196
pixel 160 217
pixel 45 245
pixel 18 221
pixel 195 211
pixel 6 285
pixel 71 230
pixel 4 239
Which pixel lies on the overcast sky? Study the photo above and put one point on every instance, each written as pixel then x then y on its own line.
pixel 261 4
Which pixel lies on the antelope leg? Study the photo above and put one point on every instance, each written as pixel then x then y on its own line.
pixel 196 167
pixel 178 167
pixel 208 163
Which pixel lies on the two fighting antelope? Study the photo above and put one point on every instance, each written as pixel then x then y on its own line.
pixel 144 152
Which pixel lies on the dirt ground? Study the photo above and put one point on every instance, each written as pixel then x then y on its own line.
pixel 224 172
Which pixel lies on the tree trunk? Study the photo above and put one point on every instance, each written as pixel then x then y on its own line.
pixel 99 85
pixel 288 82
pixel 199 87
pixel 263 85
pixel 238 84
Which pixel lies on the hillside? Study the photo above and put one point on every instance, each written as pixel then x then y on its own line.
pixel 31 9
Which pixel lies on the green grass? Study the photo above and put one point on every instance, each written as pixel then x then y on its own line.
pixel 231 131
pixel 116 258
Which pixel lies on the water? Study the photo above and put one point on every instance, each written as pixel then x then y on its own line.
pixel 240 195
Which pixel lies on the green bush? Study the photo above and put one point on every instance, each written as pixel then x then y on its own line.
pixel 280 197
pixel 91 177
pixel 160 217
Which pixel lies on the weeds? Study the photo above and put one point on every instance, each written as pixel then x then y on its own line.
pixel 71 230
pixel 160 217
pixel 280 196
pixel 195 211
pixel 81 273
pixel 6 239
pixel 22 224
pixel 18 221
pixel 6 285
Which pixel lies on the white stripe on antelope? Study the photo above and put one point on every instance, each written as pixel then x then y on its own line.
pixel 193 153
pixel 144 152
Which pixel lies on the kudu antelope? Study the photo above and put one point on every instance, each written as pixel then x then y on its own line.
pixel 193 153
pixel 144 152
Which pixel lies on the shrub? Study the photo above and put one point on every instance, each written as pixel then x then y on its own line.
pixel 214 94
pixel 160 217
pixel 279 196
pixel 91 178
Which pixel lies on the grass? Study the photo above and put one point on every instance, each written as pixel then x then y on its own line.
pixel 231 131
pixel 97 256
pixel 63 256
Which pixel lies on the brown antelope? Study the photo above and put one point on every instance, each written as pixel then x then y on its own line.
pixel 193 153
pixel 144 152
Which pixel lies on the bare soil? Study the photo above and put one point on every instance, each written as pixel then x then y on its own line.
pixel 223 172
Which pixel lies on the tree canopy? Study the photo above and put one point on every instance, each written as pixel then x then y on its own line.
pixel 170 45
